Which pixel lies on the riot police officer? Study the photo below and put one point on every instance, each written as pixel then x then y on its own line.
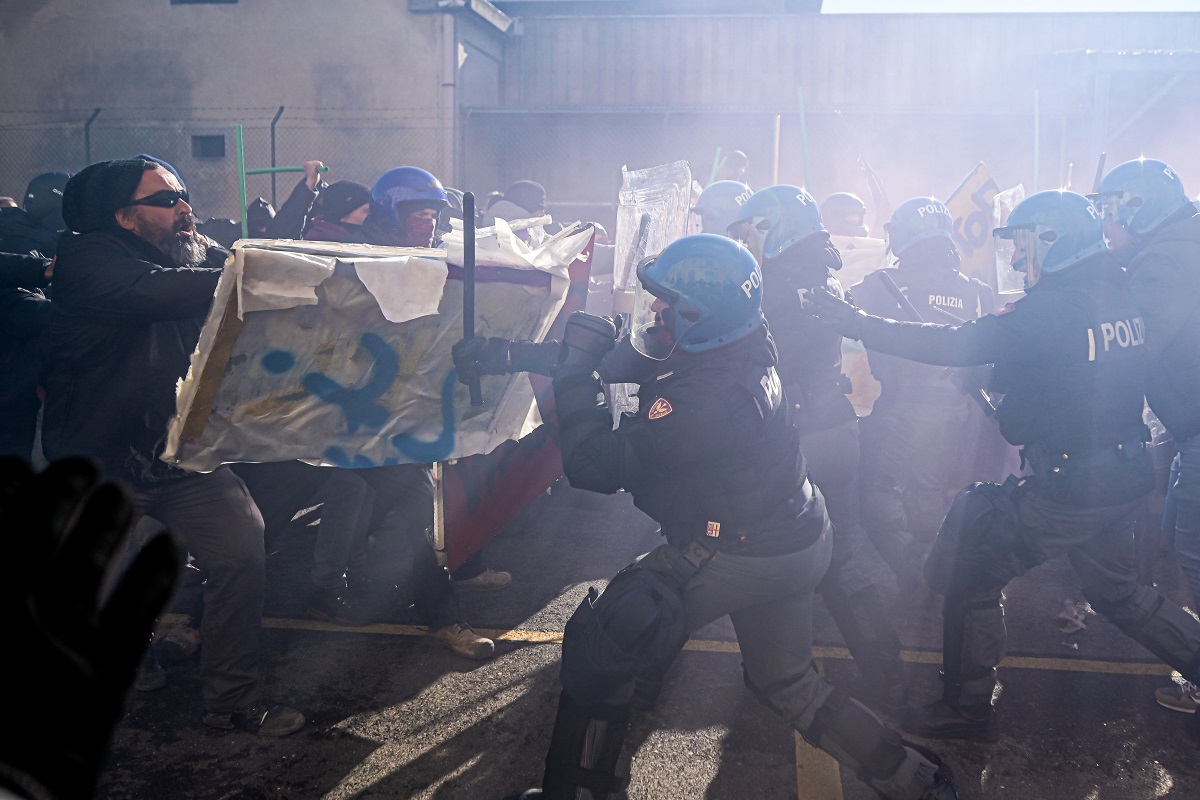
pixel 797 256
pixel 1069 357
pixel 915 441
pixel 720 205
pixel 712 455
pixel 1155 232
pixel 845 214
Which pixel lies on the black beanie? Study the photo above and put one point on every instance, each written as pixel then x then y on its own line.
pixel 43 199
pixel 339 199
pixel 165 165
pixel 97 192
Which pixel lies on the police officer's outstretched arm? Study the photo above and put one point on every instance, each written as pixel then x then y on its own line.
pixel 974 342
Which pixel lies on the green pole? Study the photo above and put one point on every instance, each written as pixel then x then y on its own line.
pixel 272 170
pixel 804 140
pixel 717 162
pixel 241 155
pixel 1037 124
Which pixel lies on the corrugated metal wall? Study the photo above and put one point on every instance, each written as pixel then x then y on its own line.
pixel 922 97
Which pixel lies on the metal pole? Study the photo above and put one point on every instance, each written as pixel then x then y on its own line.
pixel 87 137
pixel 1037 124
pixel 241 160
pixel 469 286
pixel 275 119
pixel 804 140
pixel 775 169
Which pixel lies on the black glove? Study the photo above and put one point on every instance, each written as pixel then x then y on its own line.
pixel 834 312
pixel 72 659
pixel 479 356
pixel 586 341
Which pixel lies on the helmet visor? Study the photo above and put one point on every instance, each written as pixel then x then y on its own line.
pixel 658 338
pixel 751 232
pixel 1114 209
pixel 1022 246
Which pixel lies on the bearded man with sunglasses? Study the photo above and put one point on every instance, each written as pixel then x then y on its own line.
pixel 132 286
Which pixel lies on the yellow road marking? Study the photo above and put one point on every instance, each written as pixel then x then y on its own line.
pixel 712 646
pixel 817 773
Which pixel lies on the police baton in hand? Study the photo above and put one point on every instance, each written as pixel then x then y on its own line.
pixel 469 287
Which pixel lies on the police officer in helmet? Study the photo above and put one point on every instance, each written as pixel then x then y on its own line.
pixel 720 205
pixel 918 437
pixel 1069 358
pixel 711 455
pixel 845 214
pixel 1155 232
pixel 797 257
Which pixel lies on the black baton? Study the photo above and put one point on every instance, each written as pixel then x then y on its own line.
pixel 469 286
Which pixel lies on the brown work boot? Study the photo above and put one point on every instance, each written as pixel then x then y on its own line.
pixel 461 639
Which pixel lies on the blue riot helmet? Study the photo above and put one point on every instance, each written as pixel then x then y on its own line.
pixel 713 288
pixel 720 205
pixel 1050 232
pixel 411 187
pixel 1139 195
pixel 845 214
pixel 779 216
pixel 916 220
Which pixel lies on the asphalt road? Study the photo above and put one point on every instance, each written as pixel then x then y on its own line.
pixel 393 714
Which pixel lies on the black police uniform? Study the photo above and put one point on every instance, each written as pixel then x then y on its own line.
pixel 917 439
pixel 810 367
pixel 711 455
pixel 1069 358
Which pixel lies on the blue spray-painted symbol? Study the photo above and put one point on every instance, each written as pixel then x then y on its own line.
pixel 358 404
pixel 440 448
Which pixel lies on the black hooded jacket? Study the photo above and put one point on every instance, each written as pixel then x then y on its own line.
pixel 21 233
pixel 125 323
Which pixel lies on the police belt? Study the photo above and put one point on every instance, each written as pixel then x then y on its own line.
pixel 764 540
pixel 1045 460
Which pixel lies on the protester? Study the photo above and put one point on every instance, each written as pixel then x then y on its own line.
pixel 131 289
pixel 338 213
pixel 35 228
pixel 24 319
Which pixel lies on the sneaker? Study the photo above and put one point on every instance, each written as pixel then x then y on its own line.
pixel 332 605
pixel 263 718
pixel 461 639
pixel 1183 696
pixel 150 675
pixel 488 579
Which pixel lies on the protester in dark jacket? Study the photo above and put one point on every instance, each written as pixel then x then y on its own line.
pixel 132 287
pixel 35 228
pixel 338 213
pixel 24 317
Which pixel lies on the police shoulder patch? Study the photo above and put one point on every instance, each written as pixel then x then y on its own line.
pixel 660 409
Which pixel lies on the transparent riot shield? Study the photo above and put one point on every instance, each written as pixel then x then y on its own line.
pixel 652 212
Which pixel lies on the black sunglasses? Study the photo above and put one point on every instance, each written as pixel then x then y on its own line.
pixel 168 198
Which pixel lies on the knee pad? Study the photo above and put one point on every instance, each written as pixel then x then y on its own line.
pixel 584 749
pixel 849 732
pixel 636 625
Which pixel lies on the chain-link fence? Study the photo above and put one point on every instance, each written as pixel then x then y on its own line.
pixel 576 153
pixel 202 146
